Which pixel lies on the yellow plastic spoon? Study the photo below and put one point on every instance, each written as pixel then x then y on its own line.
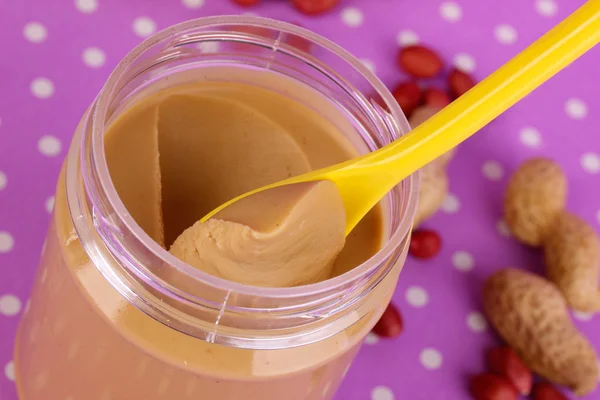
pixel 365 180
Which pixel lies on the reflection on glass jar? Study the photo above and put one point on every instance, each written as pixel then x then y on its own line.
pixel 113 315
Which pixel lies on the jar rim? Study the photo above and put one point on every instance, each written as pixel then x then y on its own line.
pixel 109 190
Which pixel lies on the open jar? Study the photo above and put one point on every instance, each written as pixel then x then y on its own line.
pixel 114 316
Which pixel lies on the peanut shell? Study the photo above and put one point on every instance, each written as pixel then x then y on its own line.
pixel 535 194
pixel 432 192
pixel 531 315
pixel 572 255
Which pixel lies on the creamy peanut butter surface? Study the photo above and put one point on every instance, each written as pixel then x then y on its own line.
pixel 263 244
pixel 202 145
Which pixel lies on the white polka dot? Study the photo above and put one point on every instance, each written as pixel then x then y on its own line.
pixel 463 261
pixel 193 4
pixel 464 62
pixel 576 109
pixel 417 296
pixel 208 47
pixel 431 358
pixel 144 26
pixel 492 170
pixel 371 338
pixel 93 57
pixel 582 316
pixel 530 137
pixel 9 370
pixel 49 204
pixel 369 64
pixel 502 228
pixel 6 242
pixel 352 16
pixel 450 11
pixel 547 8
pixel 382 393
pixel 3 180
pixel 407 38
pixel 42 88
pixel 9 305
pixel 49 146
pixel 35 32
pixel 505 34
pixel 86 6
pixel 590 162
pixel 451 204
pixel 476 322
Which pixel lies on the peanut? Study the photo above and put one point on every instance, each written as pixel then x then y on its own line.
pixel 572 258
pixel 534 211
pixel 531 315
pixel 390 324
pixel 434 179
pixel 314 7
pixel 297 41
pixel 433 190
pixel 408 95
pixel 435 97
pixel 492 387
pixel 246 3
pixel 420 61
pixel 459 83
pixel 421 115
pixel 424 243
pixel 505 362
pixel 545 391
pixel 536 193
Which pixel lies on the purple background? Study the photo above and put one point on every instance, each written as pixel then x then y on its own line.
pixel 440 299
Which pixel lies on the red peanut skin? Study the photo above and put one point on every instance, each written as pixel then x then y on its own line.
pixel 504 361
pixel 545 391
pixel 419 61
pixel 489 386
pixel 314 7
pixel 390 325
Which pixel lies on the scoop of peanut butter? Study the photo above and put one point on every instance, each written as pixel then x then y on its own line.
pixel 282 237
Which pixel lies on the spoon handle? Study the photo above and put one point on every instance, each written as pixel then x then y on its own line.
pixel 363 181
pixel 510 83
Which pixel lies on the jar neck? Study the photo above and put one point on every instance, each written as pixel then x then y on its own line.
pixel 187 299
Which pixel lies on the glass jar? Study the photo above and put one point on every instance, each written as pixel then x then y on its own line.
pixel 114 316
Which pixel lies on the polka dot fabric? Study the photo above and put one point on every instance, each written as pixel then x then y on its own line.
pixel 49 75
